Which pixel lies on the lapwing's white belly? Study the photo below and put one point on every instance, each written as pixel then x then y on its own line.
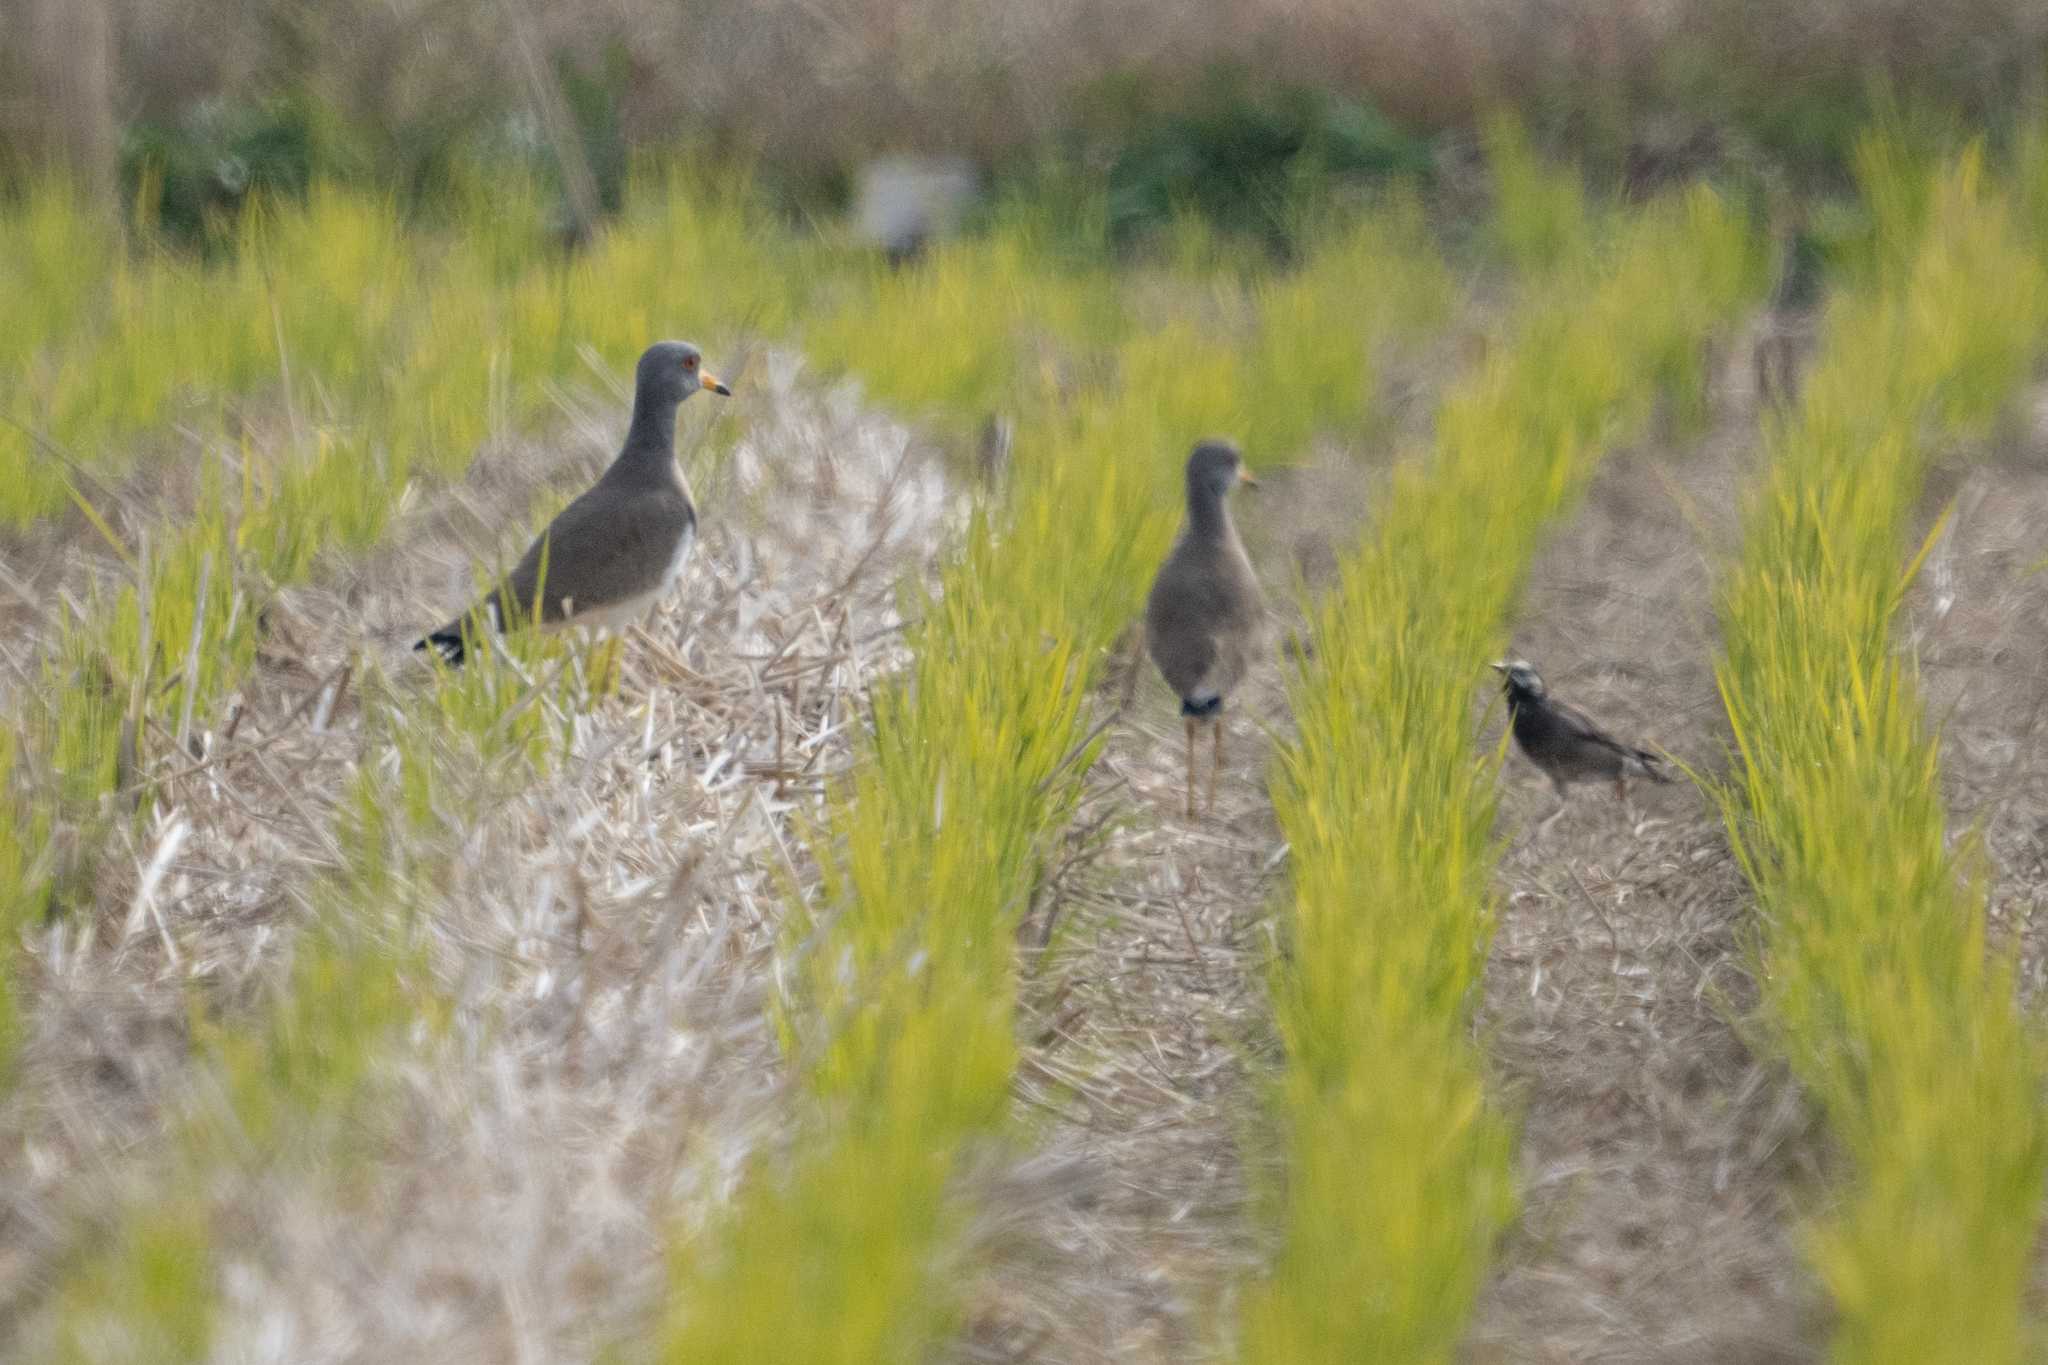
pixel 678 561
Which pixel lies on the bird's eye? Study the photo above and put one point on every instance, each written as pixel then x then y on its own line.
pixel 689 362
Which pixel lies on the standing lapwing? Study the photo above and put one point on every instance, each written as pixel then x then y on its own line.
pixel 614 552
pixel 1566 743
pixel 1205 618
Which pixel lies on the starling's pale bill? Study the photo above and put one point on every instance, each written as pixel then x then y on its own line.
pixel 1566 743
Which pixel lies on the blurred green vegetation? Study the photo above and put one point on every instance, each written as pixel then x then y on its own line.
pixel 1231 111
pixel 335 357
pixel 1247 156
pixel 1878 981
pixel 902 1016
pixel 1388 808
pixel 1238 113
pixel 337 308
pixel 191 179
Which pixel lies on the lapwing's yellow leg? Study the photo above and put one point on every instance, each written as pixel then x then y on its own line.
pixel 605 670
pixel 1189 723
pixel 1217 721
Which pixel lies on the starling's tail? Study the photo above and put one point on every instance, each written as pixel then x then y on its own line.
pixel 447 641
pixel 1652 766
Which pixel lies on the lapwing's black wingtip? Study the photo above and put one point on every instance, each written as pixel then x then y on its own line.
pixel 446 643
pixel 1211 707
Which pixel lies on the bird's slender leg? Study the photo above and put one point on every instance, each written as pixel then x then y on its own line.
pixel 1189 723
pixel 1543 828
pixel 1628 809
pixel 606 671
pixel 1216 767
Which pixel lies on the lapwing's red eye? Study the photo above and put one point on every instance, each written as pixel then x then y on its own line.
pixel 689 362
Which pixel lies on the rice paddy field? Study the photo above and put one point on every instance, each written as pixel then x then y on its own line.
pixel 825 969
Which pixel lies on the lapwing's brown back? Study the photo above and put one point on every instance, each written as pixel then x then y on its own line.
pixel 618 543
pixel 1205 617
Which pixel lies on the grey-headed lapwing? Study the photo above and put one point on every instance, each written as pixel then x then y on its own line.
pixel 1565 742
pixel 615 551
pixel 1205 619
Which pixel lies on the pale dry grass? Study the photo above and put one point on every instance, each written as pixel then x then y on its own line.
pixel 606 935
pixel 49 568
pixel 1123 1232
pixel 1147 1018
pixel 1978 621
pixel 609 936
pixel 1663 1160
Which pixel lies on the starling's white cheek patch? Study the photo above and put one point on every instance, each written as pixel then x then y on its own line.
pixel 1568 745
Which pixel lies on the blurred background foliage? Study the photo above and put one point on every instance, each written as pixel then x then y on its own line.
pixel 1237 112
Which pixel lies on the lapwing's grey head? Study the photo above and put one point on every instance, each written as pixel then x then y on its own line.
pixel 1216 467
pixel 1520 678
pixel 671 371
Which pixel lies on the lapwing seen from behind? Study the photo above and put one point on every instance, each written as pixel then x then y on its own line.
pixel 1565 742
pixel 618 549
pixel 1205 619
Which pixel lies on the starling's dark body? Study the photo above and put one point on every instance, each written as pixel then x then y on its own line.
pixel 1565 742
pixel 621 546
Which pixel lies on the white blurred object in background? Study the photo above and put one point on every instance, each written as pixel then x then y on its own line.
pixel 902 202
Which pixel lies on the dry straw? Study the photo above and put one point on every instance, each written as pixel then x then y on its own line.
pixel 904 1017
pixel 1873 957
pixel 1397 1171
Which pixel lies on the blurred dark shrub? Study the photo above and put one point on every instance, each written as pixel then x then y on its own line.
pixel 594 92
pixel 190 172
pixel 190 177
pixel 1639 91
pixel 1245 156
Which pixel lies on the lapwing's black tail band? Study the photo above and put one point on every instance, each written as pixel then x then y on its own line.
pixel 448 643
pixel 1211 707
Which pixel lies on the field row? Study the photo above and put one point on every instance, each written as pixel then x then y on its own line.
pixel 298 1072
pixel 301 1069
pixel 905 1022
pixel 305 434
pixel 1399 1171
pixel 1873 954
pixel 904 881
